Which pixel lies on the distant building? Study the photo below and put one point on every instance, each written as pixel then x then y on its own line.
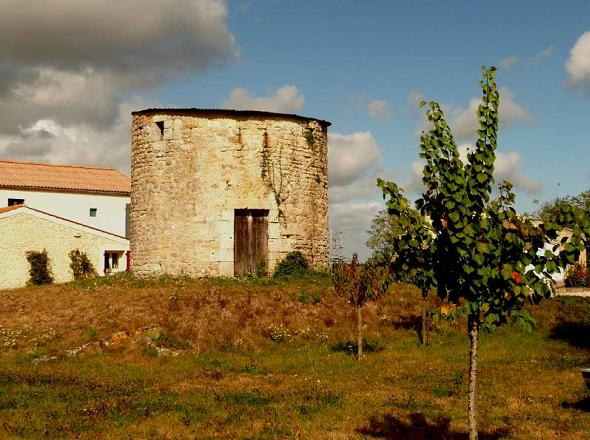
pixel 95 196
pixel 227 192
pixel 24 229
pixel 60 208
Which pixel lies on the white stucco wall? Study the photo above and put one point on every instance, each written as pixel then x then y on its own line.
pixel 110 214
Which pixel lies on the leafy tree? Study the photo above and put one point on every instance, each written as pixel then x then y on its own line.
pixel 358 284
pixel 381 237
pixel 549 211
pixel 39 268
pixel 411 242
pixel 81 265
pixel 475 250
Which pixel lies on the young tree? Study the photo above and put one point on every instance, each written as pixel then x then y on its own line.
pixel 381 238
pixel 358 284
pixel 475 250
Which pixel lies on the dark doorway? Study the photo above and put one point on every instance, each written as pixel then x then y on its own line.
pixel 250 241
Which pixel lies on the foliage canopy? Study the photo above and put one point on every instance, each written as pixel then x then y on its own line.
pixel 477 252
pixel 39 268
pixel 483 258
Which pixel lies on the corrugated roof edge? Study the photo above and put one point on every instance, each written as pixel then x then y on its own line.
pixel 226 112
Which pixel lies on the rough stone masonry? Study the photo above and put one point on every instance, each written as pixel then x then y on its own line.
pixel 224 192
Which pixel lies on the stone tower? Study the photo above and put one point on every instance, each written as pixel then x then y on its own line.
pixel 226 192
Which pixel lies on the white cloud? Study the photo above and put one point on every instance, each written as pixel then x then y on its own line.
pixel 505 168
pixel 351 156
pixel 415 97
pixel 353 220
pixel 47 141
pixel 354 162
pixel 74 65
pixel 506 63
pixel 578 63
pixel 545 53
pixel 287 99
pixel 414 184
pixel 464 120
pixel 379 108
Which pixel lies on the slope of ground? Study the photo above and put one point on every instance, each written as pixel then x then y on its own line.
pixel 254 359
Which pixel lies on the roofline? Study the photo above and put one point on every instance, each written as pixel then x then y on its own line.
pixel 88 167
pixel 16 207
pixel 227 112
pixel 62 189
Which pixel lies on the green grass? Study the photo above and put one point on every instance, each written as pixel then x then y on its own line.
pixel 304 387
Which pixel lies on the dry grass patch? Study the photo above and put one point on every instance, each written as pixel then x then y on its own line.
pixel 260 359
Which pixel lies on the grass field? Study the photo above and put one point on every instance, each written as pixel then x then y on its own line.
pixel 258 359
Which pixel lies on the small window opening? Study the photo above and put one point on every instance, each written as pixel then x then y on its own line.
pixel 93 212
pixel 160 125
pixel 111 261
pixel 14 202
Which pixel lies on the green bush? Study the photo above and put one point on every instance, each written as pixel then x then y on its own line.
pixel 39 268
pixel 577 276
pixel 294 263
pixel 81 265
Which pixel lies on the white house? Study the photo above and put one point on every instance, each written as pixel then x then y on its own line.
pixel 61 208
pixel 94 196
pixel 24 229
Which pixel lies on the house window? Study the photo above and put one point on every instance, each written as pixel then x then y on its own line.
pixel 13 202
pixel 93 212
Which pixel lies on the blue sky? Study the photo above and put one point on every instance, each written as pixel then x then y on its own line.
pixel 361 65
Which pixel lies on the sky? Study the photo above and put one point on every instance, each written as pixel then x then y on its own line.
pixel 71 73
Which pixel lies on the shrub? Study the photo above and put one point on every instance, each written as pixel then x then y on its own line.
pixel 39 268
pixel 294 263
pixel 577 276
pixel 81 265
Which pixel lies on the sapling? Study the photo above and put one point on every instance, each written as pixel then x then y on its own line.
pixel 485 260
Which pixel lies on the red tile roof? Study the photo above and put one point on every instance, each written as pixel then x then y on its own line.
pixel 10 208
pixel 70 178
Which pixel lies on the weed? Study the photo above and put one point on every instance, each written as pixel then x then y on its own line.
pixel 92 332
pixel 250 398
pixel 440 390
pixel 294 264
pixel 278 333
pixel 351 347
pixel 168 340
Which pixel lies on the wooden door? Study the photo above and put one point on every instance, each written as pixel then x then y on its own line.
pixel 250 241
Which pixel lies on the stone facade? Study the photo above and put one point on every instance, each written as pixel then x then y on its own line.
pixel 192 169
pixel 26 230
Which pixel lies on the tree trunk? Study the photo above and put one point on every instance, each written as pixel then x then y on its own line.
pixel 473 329
pixel 424 322
pixel 359 332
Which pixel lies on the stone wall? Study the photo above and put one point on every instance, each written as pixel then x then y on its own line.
pixel 22 232
pixel 190 171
